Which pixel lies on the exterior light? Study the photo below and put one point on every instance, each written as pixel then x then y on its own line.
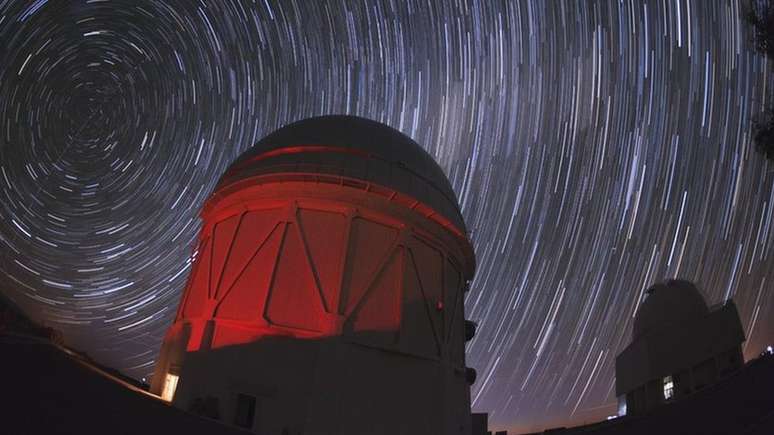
pixel 621 406
pixel 170 385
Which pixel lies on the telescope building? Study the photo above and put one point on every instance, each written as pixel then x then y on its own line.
pixel 327 288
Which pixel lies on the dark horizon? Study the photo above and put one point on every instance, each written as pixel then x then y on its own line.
pixel 595 149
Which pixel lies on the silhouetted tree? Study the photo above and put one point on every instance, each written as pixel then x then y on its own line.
pixel 763 133
pixel 760 16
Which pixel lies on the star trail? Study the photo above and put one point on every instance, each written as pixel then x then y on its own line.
pixel 596 148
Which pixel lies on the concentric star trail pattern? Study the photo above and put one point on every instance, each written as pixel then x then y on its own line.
pixel 596 148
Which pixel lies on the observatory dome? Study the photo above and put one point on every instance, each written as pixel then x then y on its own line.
pixel 354 148
pixel 333 257
pixel 675 302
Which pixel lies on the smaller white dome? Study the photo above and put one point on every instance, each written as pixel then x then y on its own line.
pixel 669 304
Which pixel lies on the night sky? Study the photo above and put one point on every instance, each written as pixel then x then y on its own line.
pixel 596 148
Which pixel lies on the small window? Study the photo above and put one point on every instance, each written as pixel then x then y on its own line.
pixel 170 385
pixel 245 411
pixel 669 388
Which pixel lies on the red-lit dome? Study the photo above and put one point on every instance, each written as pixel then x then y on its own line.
pixel 332 258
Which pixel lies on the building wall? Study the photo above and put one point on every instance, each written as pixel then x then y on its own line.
pixel 326 386
pixel 368 293
pixel 694 354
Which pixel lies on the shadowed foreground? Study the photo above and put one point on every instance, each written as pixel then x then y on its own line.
pixel 50 391
pixel 742 404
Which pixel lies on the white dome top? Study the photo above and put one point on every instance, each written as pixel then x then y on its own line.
pixel 354 147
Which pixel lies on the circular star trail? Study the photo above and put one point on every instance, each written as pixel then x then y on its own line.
pixel 595 147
